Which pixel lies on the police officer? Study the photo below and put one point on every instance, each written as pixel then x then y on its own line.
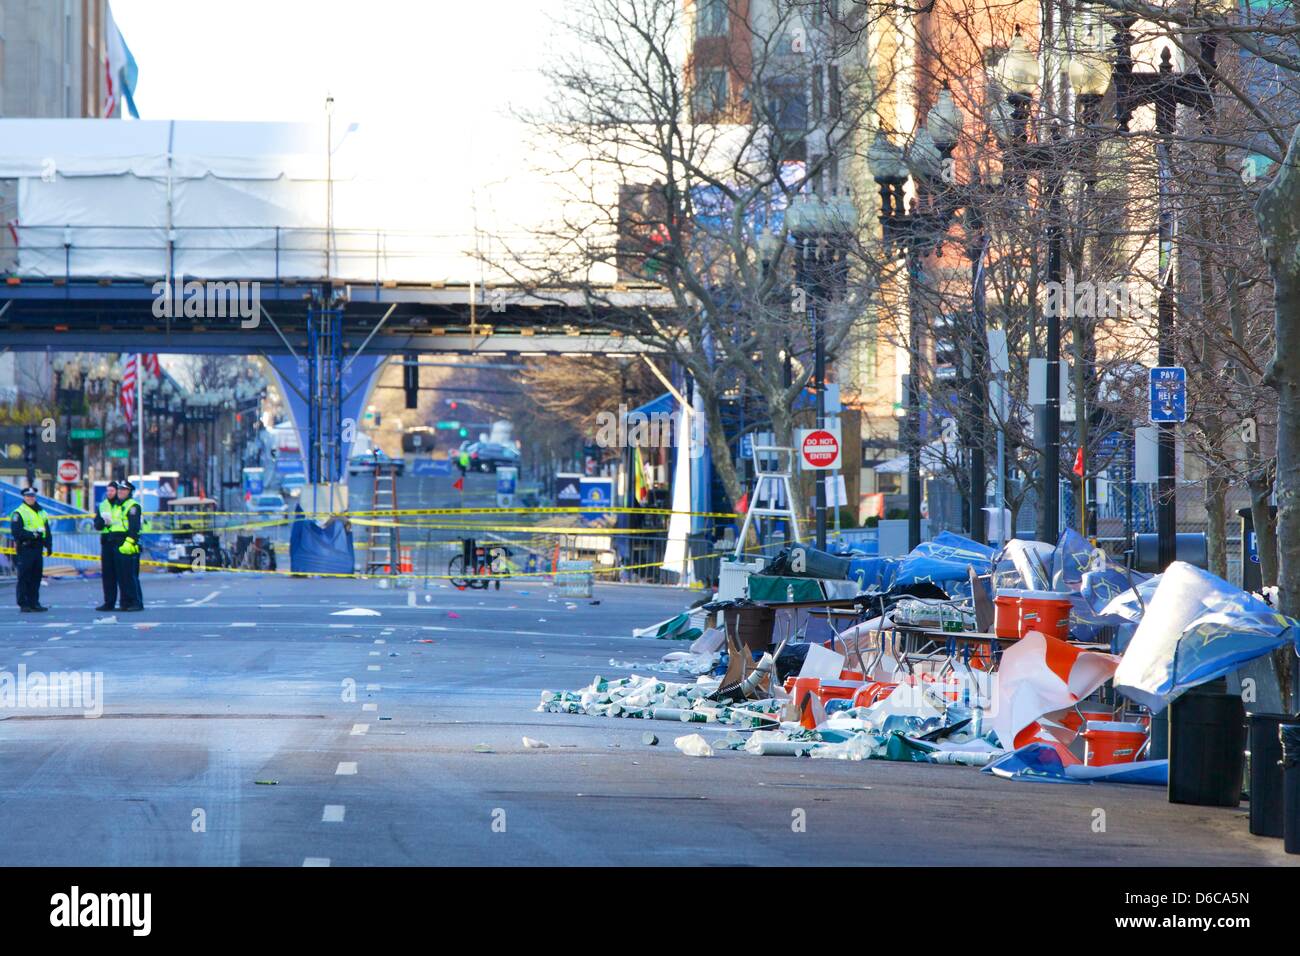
pixel 127 555
pixel 31 533
pixel 109 540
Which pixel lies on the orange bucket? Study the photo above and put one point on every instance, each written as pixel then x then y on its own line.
pixel 1019 612
pixel 1111 742
pixel 803 687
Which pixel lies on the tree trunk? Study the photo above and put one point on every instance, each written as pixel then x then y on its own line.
pixel 1278 214
pixel 1261 489
pixel 1216 537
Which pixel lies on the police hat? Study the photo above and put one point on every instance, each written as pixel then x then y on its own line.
pixel 28 491
pixel 125 486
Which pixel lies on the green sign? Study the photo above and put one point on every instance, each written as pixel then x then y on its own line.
pixel 448 426
pixel 119 453
pixel 88 434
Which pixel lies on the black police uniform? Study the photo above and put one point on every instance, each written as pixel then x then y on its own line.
pixel 31 549
pixel 128 565
pixel 108 544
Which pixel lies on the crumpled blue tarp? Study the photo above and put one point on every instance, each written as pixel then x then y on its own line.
pixel 1041 763
pixel 946 558
pixel 317 550
pixel 1197 627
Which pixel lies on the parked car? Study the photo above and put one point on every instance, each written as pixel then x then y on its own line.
pixel 488 456
pixel 267 504
pixel 365 464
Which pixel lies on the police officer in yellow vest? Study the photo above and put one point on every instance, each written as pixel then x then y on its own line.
pixel 128 522
pixel 30 528
pixel 109 540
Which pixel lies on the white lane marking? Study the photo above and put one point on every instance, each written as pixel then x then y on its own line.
pixel 28 653
pixel 340 626
pixel 380 640
pixel 374 653
pixel 316 861
pixel 59 624
pixel 359 729
pixel 346 768
pixel 369 706
pixel 410 599
pixel 201 600
pixel 333 813
pixel 243 624
pixel 373 687
pixel 75 630
pixel 372 667
pixel 52 639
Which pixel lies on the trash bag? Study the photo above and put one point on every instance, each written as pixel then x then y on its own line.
pixel 801 561
pixel 790 661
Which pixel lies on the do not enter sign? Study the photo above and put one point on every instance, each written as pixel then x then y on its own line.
pixel 69 471
pixel 819 448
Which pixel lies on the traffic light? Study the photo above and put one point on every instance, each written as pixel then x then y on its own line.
pixel 411 380
pixel 463 432
pixel 453 404
pixel 29 444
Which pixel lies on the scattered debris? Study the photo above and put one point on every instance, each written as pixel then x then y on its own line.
pixel 649 739
pixel 356 612
pixel 483 749
pixel 532 744
pixel 693 745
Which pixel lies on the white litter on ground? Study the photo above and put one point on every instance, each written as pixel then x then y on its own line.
pixel 693 745
pixel 356 612
pixel 532 744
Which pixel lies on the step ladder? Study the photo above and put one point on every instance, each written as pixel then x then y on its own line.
pixel 383 546
pixel 771 483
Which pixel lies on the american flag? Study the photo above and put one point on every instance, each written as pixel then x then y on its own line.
pixel 128 388
pixel 133 361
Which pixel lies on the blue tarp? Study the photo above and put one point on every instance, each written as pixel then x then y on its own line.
pixel 946 558
pixel 317 550
pixel 1197 627
pixel 1041 763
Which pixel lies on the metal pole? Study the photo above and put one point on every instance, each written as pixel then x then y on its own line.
pixel 139 410
pixel 1166 513
pixel 819 371
pixel 913 400
pixel 979 398
pixel 1051 460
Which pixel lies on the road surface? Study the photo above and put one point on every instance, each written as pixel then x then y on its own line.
pixel 246 722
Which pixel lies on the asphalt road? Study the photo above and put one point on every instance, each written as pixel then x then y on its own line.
pixel 227 680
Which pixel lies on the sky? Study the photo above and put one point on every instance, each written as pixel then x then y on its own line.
pixel 459 63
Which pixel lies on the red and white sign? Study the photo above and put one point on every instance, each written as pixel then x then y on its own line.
pixel 69 471
pixel 819 448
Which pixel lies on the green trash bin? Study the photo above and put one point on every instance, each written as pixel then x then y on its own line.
pixel 1207 748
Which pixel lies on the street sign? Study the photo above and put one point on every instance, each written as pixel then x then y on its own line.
pixel 119 453
pixel 819 448
pixel 747 445
pixel 69 471
pixel 86 434
pixel 1168 394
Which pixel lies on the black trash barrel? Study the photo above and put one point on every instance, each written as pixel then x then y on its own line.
pixel 1290 739
pixel 1266 773
pixel 1207 749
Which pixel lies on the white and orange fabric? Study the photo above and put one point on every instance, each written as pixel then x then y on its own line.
pixel 1040 678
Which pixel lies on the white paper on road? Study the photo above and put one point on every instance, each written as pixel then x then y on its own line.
pixel 693 745
pixel 356 612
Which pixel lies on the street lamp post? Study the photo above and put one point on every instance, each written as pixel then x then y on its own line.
pixel 821 228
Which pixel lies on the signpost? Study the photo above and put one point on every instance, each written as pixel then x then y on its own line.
pixel 819 448
pixel 1168 394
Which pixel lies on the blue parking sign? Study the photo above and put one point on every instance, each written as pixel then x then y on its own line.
pixel 1169 394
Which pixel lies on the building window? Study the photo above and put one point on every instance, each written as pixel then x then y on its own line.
pixel 711 20
pixel 710 95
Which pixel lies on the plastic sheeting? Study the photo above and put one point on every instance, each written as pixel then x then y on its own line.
pixel 1196 627
pixel 317 550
